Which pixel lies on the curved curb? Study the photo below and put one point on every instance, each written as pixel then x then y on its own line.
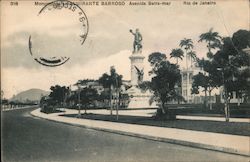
pixel 160 139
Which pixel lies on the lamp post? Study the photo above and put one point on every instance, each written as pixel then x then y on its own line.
pixel 224 94
pixel 117 102
pixel 79 101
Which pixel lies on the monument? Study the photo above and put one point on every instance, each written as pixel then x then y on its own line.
pixel 137 59
pixel 138 98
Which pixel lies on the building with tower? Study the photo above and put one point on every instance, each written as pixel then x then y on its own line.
pixel 187 74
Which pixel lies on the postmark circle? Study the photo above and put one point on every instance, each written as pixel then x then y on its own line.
pixel 53 8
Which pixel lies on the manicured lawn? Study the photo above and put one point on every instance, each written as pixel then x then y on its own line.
pixel 207 126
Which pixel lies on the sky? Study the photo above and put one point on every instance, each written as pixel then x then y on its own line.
pixel 56 33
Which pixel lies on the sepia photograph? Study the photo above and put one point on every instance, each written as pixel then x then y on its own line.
pixel 125 80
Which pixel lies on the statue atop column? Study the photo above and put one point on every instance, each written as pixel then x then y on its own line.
pixel 137 45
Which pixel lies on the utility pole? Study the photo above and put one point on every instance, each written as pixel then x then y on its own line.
pixel 117 104
pixel 225 96
pixel 111 99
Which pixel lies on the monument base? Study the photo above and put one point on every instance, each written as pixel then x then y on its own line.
pixel 139 99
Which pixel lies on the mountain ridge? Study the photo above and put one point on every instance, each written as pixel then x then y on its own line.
pixel 33 94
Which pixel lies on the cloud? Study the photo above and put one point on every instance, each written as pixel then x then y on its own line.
pixel 19 78
pixel 109 41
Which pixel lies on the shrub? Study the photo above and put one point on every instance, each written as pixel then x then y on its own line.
pixel 168 115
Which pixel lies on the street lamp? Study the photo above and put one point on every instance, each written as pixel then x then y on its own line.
pixel 224 94
pixel 79 101
pixel 117 102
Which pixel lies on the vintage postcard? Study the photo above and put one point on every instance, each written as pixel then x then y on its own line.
pixel 125 80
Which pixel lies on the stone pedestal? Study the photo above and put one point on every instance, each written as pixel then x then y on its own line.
pixel 137 97
pixel 136 61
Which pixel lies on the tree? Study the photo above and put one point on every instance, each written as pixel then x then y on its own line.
pixel 105 97
pixel 155 59
pixel 234 62
pixel 84 82
pixel 208 80
pixel 4 101
pixel 145 85
pixel 113 82
pixel 116 82
pixel 192 55
pixel 213 40
pixel 187 44
pixel 116 79
pixel 58 94
pixel 241 39
pixel 177 53
pixel 200 80
pixel 229 67
pixel 88 96
pixel 105 80
pixel 166 75
pixel 72 98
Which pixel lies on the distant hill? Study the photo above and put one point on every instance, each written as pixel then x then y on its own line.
pixel 31 94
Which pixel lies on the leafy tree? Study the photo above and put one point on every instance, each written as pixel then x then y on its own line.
pixel 145 85
pixel 213 40
pixel 166 75
pixel 208 80
pixel 200 80
pixel 105 80
pixel 58 94
pixel 241 39
pixel 105 97
pixel 187 44
pixel 4 101
pixel 88 96
pixel 123 99
pixel 155 60
pixel 72 97
pixel 228 67
pixel 177 53
pixel 84 82
pixel 233 60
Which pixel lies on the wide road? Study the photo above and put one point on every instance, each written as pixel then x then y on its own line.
pixel 26 138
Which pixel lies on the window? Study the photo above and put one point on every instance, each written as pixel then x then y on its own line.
pixel 184 92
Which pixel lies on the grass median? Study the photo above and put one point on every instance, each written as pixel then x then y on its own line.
pixel 234 128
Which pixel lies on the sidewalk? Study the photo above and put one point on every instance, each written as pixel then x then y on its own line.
pixel 190 117
pixel 214 141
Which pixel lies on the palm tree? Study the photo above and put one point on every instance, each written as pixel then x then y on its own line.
pixel 177 53
pixel 113 82
pixel 192 55
pixel 187 44
pixel 213 40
